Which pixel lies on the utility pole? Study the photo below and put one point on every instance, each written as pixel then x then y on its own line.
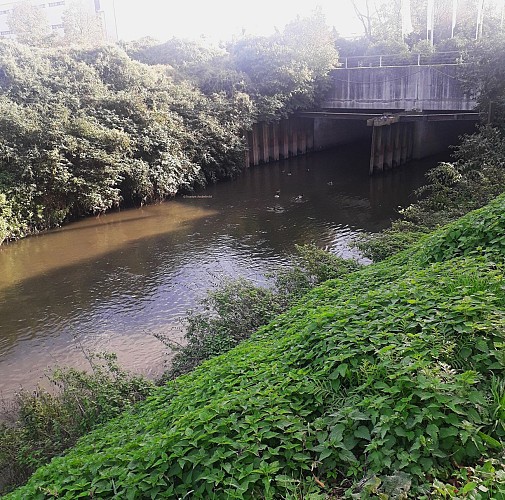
pixel 480 20
pixel 454 16
pixel 430 20
pixel 115 19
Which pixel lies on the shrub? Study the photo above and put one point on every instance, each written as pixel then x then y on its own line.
pixel 237 308
pixel 453 189
pixel 40 425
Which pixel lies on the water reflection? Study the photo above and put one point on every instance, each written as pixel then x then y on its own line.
pixel 113 282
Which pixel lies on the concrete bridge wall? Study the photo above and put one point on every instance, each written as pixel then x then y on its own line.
pixel 425 88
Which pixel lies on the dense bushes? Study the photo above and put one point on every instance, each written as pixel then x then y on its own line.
pixel 475 177
pixel 42 424
pixel 393 374
pixel 85 130
pixel 237 308
pixel 281 73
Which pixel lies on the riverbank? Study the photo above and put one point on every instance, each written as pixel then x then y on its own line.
pixel 392 371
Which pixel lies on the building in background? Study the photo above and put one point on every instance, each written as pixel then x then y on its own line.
pixel 53 11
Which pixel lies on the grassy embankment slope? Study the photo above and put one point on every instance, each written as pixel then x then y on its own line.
pixel 397 367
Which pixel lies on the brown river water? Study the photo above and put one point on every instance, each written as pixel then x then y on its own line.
pixel 114 282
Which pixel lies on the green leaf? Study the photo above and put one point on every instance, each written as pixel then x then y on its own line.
pixel 432 430
pixel 340 371
pixel 362 432
pixel 490 441
pixel 446 432
pixel 468 487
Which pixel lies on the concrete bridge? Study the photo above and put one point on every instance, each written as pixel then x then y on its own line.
pixel 407 107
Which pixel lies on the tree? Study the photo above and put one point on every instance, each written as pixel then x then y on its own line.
pixel 383 19
pixel 485 78
pixel 81 25
pixel 29 23
pixel 288 70
pixel 365 16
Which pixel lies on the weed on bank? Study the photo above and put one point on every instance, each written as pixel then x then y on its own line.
pixel 389 381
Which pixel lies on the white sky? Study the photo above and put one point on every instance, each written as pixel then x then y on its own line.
pixel 221 19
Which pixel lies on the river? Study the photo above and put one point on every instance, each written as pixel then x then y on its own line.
pixel 114 282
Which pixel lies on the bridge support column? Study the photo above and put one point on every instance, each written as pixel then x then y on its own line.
pixel 377 151
pixel 388 147
pixel 404 144
pixel 392 143
pixel 397 149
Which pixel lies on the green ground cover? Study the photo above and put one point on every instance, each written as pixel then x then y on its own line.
pixel 390 379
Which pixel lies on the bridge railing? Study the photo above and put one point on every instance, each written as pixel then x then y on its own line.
pixel 410 59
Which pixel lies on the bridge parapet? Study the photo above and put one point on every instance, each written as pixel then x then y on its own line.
pixel 436 87
pixel 408 59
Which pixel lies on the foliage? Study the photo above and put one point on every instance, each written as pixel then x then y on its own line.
pixel 382 20
pixel 230 314
pixel 475 177
pixel 280 73
pixel 29 23
pixel 381 47
pixel 287 71
pixel 309 267
pixel 5 218
pixel 380 246
pixel 80 25
pixel 395 371
pixel 41 424
pixel 176 52
pixel 86 130
pixel 484 78
pixel 486 480
pixel 237 308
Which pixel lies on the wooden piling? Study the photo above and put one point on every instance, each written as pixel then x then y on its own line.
pixel 302 137
pixel 372 150
pixel 310 134
pixel 380 150
pixel 264 153
pixel 284 139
